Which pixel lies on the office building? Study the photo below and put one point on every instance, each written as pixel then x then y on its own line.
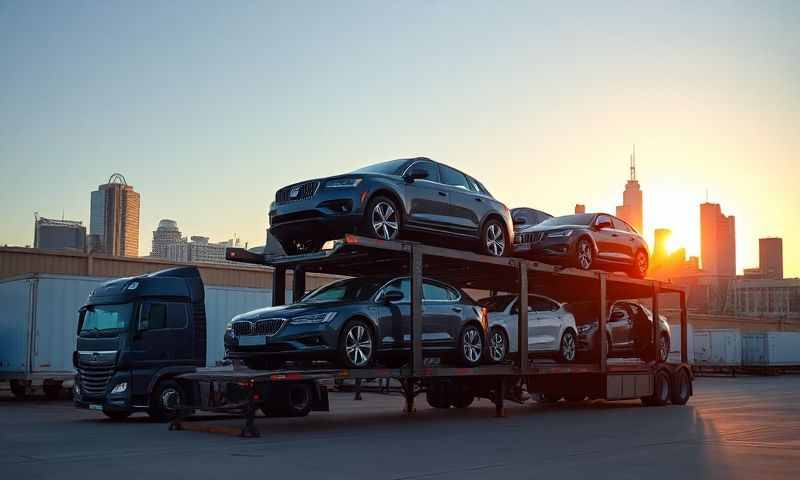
pixel 51 234
pixel 717 241
pixel 580 208
pixel 660 245
pixel 199 250
pixel 114 218
pixel 770 257
pixel 166 234
pixel 631 209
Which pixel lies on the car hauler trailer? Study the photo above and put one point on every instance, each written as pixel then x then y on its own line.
pixel 243 391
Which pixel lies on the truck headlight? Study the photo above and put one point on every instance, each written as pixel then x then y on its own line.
pixel 120 387
pixel 559 234
pixel 315 318
pixel 343 183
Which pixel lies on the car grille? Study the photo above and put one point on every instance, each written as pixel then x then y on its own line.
pixel 268 327
pixel 303 191
pixel 530 237
pixel 94 379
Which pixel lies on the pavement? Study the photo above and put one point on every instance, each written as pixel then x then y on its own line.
pixel 743 427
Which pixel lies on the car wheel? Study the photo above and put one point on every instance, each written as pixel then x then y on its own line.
pixel 661 390
pixel 382 219
pixel 356 345
pixel 682 389
pixel 584 254
pixel 498 345
pixel 117 416
pixel 470 346
pixel 640 264
pixel 165 400
pixel 567 349
pixel 493 239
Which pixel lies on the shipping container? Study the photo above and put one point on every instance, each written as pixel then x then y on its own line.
pixel 718 347
pixel 773 349
pixel 675 345
pixel 39 320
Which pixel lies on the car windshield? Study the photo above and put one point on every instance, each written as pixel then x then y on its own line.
pixel 100 319
pixel 498 303
pixel 392 167
pixel 580 219
pixel 352 289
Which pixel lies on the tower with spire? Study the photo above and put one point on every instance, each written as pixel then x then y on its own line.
pixel 631 209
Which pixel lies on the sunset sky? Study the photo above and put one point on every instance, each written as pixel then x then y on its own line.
pixel 208 107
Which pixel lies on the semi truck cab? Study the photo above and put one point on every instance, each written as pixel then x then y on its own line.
pixel 134 336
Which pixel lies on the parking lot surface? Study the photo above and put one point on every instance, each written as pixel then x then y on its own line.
pixel 744 427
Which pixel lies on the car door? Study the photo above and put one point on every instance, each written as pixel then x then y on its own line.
pixel 543 324
pixel 605 237
pixel 626 238
pixel 620 325
pixel 443 313
pixel 438 313
pixel 428 200
pixel 467 207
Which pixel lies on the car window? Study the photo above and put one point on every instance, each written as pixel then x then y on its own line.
pixel 635 309
pixel 402 284
pixel 603 219
pixel 497 303
pixel 541 304
pixel 621 225
pixel 453 177
pixel 434 292
pixel 430 167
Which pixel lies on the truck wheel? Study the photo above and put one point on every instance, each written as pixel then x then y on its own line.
pixel 682 388
pixel 117 416
pixel 294 401
pixel 53 390
pixel 165 400
pixel 436 399
pixel 661 390
pixel 19 388
pixel 464 396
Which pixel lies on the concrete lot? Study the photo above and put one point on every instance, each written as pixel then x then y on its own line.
pixel 746 427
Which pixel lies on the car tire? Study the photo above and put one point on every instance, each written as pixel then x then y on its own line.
pixel 470 346
pixel 640 264
pixel 167 396
pixel 356 345
pixel 498 345
pixel 662 388
pixel 117 416
pixel 382 219
pixel 567 347
pixel 682 388
pixel 584 254
pixel 494 239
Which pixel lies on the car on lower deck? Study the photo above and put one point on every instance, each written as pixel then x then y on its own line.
pixel 551 328
pixel 628 331
pixel 585 241
pixel 357 322
pixel 389 200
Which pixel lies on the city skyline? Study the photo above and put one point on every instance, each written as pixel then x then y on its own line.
pixel 208 125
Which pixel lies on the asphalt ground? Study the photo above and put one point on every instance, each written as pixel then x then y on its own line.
pixel 743 427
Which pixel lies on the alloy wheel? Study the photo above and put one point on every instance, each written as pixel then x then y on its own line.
pixel 495 240
pixel 584 254
pixel 472 345
pixel 568 346
pixel 358 345
pixel 497 346
pixel 384 220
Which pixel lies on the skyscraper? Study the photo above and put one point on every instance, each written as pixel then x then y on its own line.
pixel 166 234
pixel 770 257
pixel 51 234
pixel 717 240
pixel 660 247
pixel 631 209
pixel 114 218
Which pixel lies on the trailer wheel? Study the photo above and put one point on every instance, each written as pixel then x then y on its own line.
pixel 117 416
pixel 464 396
pixel 682 388
pixel 295 401
pixel 436 395
pixel 165 399
pixel 53 390
pixel 661 390
pixel 19 388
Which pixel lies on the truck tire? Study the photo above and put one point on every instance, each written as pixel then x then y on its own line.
pixel 662 388
pixel 117 416
pixel 53 391
pixel 166 397
pixel 682 388
pixel 19 388
pixel 294 401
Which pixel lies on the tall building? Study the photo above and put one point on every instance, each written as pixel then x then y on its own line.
pixel 770 257
pixel 114 218
pixel 51 234
pixel 717 240
pixel 166 234
pixel 660 247
pixel 580 208
pixel 631 209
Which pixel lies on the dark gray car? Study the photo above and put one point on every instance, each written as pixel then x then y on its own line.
pixel 356 321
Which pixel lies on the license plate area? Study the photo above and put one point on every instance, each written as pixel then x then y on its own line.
pixel 250 340
pixel 96 407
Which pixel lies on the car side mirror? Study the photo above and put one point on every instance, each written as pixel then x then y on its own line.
pixel 415 174
pixel 393 296
pixel 519 221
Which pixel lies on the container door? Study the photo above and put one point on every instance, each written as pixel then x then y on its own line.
pixel 702 347
pixel 16 299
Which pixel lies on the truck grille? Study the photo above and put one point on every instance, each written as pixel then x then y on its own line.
pixel 94 379
pixel 530 237
pixel 268 327
pixel 301 191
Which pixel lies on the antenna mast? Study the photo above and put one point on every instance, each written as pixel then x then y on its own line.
pixel 633 164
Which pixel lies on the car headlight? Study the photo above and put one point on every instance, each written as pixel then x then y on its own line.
pixel 315 318
pixel 120 387
pixel 559 233
pixel 343 183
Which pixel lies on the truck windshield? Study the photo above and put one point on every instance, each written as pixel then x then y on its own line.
pixel 103 319
pixel 351 289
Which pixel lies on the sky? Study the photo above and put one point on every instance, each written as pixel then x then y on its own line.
pixel 208 107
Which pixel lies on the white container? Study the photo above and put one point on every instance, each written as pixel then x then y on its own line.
pixel 718 347
pixel 771 349
pixel 675 345
pixel 39 320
